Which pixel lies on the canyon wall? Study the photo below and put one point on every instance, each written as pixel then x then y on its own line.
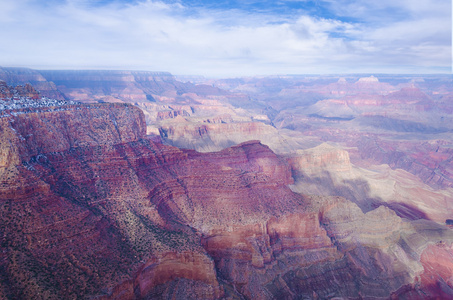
pixel 342 191
pixel 23 76
pixel 92 208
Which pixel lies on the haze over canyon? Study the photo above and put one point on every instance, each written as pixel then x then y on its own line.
pixel 146 185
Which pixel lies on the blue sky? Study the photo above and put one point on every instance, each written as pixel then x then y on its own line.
pixel 229 38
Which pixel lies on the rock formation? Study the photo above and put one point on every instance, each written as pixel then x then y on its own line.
pixel 18 91
pixel 321 158
pixel 23 76
pixel 92 205
pixel 91 208
pixel 209 136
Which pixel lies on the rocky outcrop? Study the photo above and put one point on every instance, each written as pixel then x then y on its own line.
pixel 171 114
pixel 431 161
pixel 20 98
pixel 95 208
pixel 40 131
pixel 321 158
pixel 215 136
pixel 438 269
pixel 251 157
pixel 18 91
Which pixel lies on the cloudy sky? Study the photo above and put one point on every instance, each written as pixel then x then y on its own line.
pixel 229 38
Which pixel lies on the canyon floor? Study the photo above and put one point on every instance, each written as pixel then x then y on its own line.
pixel 145 185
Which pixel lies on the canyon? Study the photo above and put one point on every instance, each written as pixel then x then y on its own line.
pixel 143 185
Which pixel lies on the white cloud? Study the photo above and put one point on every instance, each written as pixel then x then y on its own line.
pixel 155 35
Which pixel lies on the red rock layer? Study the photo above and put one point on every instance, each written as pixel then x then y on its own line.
pixel 91 208
pixel 431 161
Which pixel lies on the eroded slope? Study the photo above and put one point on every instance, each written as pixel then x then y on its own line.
pixel 92 208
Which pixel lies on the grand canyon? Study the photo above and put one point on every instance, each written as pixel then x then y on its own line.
pixel 146 185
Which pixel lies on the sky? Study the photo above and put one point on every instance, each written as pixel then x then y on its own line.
pixel 229 38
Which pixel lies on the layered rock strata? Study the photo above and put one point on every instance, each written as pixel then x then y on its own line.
pixel 92 208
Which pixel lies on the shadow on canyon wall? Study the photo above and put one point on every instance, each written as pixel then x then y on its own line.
pixel 357 191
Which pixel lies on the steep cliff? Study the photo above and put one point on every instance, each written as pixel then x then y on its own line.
pixel 429 160
pixel 216 136
pixel 91 208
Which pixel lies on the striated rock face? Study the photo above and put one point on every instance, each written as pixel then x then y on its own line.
pixel 438 269
pixel 94 209
pixel 329 249
pixel 431 161
pixel 43 130
pixel 253 257
pixel 321 158
pixel 191 274
pixel 251 157
pixel 326 170
pixel 58 241
pixel 216 136
pixel 91 207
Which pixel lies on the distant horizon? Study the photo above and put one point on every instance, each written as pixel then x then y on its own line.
pixel 239 76
pixel 229 38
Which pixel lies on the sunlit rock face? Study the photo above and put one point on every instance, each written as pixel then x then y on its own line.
pixel 215 136
pixel 322 157
pixel 71 197
pixel 95 206
pixel 91 208
pixel 429 160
